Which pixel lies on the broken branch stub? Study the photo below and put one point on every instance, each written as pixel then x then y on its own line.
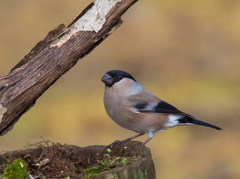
pixel 54 56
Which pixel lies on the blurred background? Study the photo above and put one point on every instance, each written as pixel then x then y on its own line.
pixel 186 52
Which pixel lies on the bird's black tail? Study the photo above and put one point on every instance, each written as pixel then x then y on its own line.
pixel 190 120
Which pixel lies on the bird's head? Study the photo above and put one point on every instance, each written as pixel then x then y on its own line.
pixel 114 76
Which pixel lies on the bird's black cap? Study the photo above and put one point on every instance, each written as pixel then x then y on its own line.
pixel 113 76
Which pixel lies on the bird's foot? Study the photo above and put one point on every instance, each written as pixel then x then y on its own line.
pixel 119 142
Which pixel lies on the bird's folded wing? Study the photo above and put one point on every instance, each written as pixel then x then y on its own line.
pixel 157 107
pixel 147 102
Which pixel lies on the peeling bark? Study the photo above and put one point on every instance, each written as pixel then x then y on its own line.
pixel 2 112
pixel 54 56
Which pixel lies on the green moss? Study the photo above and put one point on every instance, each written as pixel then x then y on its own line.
pixel 17 169
pixel 124 161
pixel 95 169
pixel 107 163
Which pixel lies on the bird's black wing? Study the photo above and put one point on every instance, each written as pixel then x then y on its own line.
pixel 158 107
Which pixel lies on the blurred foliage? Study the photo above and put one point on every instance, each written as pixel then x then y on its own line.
pixel 186 52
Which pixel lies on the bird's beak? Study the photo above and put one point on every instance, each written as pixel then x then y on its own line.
pixel 107 79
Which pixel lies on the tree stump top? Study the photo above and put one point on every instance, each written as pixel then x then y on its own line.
pixel 49 160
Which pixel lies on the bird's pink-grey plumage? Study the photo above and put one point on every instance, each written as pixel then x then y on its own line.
pixel 129 105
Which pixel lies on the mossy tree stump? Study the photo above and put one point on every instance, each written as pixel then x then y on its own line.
pixel 129 160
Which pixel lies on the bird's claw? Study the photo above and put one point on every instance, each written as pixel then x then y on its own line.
pixel 119 142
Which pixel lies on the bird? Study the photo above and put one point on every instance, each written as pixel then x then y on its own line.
pixel 132 107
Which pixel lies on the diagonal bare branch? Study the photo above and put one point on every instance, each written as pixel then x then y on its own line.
pixel 54 56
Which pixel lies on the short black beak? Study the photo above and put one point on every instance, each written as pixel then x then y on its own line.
pixel 107 79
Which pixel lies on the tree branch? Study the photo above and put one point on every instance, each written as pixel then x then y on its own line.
pixel 54 56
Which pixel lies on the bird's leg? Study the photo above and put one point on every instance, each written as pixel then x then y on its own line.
pixel 151 135
pixel 133 137
pixel 128 139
